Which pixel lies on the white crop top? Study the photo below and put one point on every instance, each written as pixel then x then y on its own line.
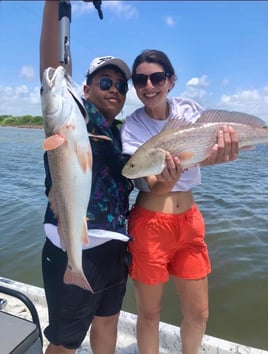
pixel 139 127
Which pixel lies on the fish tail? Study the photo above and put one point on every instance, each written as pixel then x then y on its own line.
pixel 76 278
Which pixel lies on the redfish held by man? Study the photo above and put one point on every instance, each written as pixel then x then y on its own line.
pixel 192 143
pixel 70 164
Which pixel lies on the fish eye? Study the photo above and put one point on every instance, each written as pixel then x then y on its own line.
pixel 132 165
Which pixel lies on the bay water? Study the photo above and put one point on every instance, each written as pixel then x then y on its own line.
pixel 232 197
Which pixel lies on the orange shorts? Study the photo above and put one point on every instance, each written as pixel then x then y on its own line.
pixel 167 244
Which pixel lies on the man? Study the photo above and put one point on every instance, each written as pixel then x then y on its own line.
pixel 71 309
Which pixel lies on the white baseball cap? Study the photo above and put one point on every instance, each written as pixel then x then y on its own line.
pixel 100 62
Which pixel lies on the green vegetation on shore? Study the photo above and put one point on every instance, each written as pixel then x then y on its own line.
pixel 21 121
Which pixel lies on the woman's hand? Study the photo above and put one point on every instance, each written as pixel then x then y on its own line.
pixel 226 148
pixel 172 171
pixel 164 182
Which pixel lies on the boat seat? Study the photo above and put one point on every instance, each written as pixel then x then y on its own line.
pixel 18 335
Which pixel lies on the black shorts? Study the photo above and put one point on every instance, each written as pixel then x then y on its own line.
pixel 71 308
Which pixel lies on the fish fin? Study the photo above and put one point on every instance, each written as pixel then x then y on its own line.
pixel 52 202
pixel 176 123
pixel 61 235
pixel 186 155
pixel 53 141
pixel 80 106
pixel 190 166
pixel 248 147
pixel 221 116
pixel 75 91
pixel 84 157
pixel 76 278
pixel 97 137
pixel 84 237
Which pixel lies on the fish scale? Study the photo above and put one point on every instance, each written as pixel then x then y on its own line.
pixel 192 143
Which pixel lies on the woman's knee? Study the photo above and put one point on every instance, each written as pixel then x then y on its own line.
pixel 202 315
pixel 197 315
pixel 149 314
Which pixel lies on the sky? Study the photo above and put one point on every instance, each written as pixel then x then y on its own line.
pixel 219 49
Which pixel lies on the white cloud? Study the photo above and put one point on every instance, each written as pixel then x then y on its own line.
pixel 132 103
pixel 170 21
pixel 252 101
pixel 196 89
pixel 27 72
pixel 195 93
pixel 20 100
pixel 225 82
pixel 81 8
pixel 23 100
pixel 198 81
pixel 120 8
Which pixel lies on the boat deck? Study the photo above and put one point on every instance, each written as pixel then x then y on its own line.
pixel 169 335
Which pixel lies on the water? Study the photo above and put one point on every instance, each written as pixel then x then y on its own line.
pixel 233 198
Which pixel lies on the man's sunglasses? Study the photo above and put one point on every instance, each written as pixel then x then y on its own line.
pixel 157 79
pixel 106 83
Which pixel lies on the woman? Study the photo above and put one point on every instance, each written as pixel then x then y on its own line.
pixel 165 223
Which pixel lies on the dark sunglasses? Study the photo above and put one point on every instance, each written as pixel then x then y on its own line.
pixel 157 79
pixel 106 83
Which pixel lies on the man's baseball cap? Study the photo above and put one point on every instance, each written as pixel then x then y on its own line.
pixel 101 62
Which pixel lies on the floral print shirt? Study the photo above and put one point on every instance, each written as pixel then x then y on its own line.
pixel 109 201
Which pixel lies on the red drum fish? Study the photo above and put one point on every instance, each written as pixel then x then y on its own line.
pixel 70 163
pixel 192 143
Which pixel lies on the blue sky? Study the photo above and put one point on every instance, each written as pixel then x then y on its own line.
pixel 219 49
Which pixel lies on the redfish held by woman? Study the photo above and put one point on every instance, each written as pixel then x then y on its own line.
pixel 192 143
pixel 70 164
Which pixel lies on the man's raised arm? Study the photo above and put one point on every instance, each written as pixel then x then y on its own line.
pixel 49 39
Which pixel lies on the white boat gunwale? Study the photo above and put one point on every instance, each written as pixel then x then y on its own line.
pixel 170 342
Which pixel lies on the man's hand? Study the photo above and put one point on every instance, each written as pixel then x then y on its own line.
pixel 226 148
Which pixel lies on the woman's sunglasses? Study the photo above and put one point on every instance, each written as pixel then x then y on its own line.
pixel 157 79
pixel 106 83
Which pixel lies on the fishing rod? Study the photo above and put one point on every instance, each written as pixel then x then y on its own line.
pixel 64 28
pixel 64 31
pixel 97 5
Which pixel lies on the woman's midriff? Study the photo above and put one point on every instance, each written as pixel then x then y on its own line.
pixel 171 203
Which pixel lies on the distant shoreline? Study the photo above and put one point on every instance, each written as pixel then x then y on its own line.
pixel 23 126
